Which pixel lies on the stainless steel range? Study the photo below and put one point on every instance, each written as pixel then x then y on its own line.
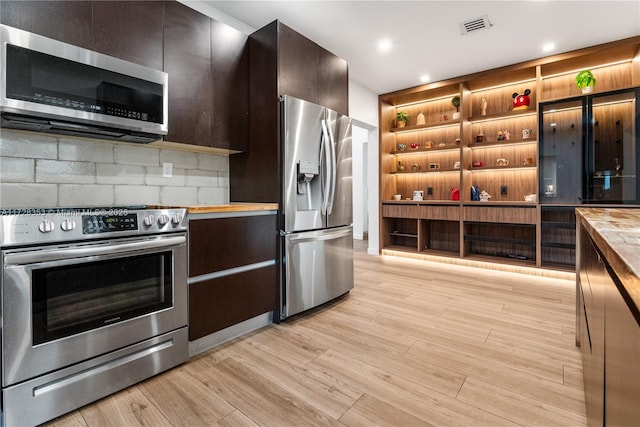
pixel 92 301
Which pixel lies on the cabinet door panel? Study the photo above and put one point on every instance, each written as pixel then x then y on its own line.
pixel 219 303
pixel 187 60
pixel 622 388
pixel 67 21
pixel 297 65
pixel 224 243
pixel 230 80
pixel 130 30
pixel 333 81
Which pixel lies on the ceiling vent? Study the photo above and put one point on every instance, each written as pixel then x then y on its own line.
pixel 473 25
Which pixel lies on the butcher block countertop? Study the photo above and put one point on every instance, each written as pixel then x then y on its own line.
pixel 232 207
pixel 616 232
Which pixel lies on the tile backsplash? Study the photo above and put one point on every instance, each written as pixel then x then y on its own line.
pixel 42 170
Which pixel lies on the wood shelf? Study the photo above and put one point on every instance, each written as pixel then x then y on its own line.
pixel 432 125
pixel 398 234
pixel 500 168
pixel 426 150
pixel 412 172
pixel 505 115
pixel 503 143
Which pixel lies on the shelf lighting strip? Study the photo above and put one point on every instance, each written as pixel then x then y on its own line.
pixel 515 117
pixel 576 71
pixel 484 89
pixel 427 100
pixel 509 144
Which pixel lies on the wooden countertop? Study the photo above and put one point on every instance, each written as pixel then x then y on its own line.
pixel 616 231
pixel 232 207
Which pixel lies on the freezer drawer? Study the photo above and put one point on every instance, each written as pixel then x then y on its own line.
pixel 318 267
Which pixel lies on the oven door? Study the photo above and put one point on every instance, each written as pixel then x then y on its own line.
pixel 65 304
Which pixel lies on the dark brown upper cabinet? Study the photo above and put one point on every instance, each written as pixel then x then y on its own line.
pixel 129 30
pixel 281 62
pixel 230 80
pixel 187 60
pixel 333 81
pixel 67 21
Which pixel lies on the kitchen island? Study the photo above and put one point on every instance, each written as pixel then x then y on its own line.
pixel 608 313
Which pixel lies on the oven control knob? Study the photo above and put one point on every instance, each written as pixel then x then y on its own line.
pixel 148 220
pixel 46 226
pixel 176 219
pixel 163 220
pixel 68 224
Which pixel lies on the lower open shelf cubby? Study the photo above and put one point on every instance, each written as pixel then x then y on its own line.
pixel 558 237
pixel 500 240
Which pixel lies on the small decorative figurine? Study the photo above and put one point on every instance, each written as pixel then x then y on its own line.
pixel 420 120
pixel 521 102
pixel 483 107
pixel 475 192
pixel 504 135
pixel 484 196
pixel 400 166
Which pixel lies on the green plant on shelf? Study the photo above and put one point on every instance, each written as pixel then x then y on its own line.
pixel 402 119
pixel 585 81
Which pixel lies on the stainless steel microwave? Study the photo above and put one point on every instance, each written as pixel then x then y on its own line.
pixel 50 86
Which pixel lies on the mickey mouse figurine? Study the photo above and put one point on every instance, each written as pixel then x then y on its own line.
pixel 521 102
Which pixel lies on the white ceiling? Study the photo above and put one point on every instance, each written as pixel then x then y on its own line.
pixel 426 34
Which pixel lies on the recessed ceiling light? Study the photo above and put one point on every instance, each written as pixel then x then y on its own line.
pixel 424 78
pixel 384 45
pixel 548 47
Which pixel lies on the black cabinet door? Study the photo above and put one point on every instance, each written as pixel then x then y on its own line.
pixel 129 30
pixel 230 80
pixel 187 60
pixel 333 81
pixel 297 65
pixel 67 21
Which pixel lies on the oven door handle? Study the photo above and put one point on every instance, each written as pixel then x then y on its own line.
pixel 38 256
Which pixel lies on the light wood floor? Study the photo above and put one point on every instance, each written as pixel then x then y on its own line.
pixel 414 344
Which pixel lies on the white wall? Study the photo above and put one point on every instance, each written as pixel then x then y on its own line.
pixel 363 109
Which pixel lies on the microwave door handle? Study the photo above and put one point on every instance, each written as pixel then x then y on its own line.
pixel 326 169
pixel 332 172
pixel 38 256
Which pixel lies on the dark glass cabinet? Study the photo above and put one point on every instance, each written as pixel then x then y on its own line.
pixel 589 149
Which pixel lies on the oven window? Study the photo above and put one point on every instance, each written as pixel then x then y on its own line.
pixel 71 299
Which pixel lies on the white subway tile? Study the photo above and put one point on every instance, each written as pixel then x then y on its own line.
pixel 213 196
pixel 55 171
pixel 127 195
pixel 28 145
pixel 85 195
pixel 154 177
pixel 197 178
pixel 137 155
pixel 13 169
pixel 180 159
pixel 86 150
pixel 28 195
pixel 212 162
pixel 178 196
pixel 119 174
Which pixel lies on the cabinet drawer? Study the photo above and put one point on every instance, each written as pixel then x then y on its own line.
pixel 449 213
pixel 225 301
pixel 511 215
pixel 222 243
pixel 401 211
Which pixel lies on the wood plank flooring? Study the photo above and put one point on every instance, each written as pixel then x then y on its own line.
pixel 414 344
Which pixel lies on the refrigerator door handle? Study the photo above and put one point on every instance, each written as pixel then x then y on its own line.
pixel 320 235
pixel 327 167
pixel 333 171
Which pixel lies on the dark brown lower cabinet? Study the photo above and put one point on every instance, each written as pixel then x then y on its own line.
pixel 622 362
pixel 233 270
pixel 609 336
pixel 219 303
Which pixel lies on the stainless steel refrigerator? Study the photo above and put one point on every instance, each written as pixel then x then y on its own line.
pixel 316 223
